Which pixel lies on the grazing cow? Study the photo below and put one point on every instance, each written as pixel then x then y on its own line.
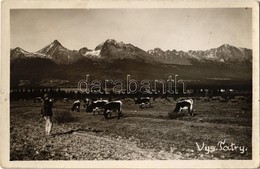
pixel 143 101
pixel 38 99
pixel 184 104
pixel 76 106
pixel 97 106
pixel 111 107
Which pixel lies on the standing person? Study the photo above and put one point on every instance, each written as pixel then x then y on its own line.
pixel 47 113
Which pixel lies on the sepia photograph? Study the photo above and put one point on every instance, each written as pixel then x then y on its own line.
pixel 134 84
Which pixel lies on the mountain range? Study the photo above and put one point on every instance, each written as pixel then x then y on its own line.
pixel 113 50
pixel 55 65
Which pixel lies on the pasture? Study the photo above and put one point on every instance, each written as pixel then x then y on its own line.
pixel 141 134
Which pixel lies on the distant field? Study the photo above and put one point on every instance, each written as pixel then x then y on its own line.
pixel 141 134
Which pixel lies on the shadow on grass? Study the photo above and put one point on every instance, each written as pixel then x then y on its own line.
pixel 174 115
pixel 64 117
pixel 116 116
pixel 78 130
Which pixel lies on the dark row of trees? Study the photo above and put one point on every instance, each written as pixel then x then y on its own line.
pixel 58 93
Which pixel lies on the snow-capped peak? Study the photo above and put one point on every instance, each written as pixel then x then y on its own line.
pixel 92 53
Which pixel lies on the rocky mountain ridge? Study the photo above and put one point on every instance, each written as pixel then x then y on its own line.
pixel 114 50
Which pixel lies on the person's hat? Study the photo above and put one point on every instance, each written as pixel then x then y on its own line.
pixel 45 95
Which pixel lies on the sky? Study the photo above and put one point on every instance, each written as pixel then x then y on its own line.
pixel 180 29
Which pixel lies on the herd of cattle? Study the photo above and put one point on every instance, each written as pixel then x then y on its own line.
pixel 99 106
pixel 106 107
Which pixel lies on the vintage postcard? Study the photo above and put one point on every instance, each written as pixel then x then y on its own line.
pixel 129 84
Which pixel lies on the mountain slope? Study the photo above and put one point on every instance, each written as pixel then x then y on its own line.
pixel 55 65
pixel 54 51
pixel 171 57
pixel 33 69
pixel 109 50
pixel 113 50
pixel 18 53
pixel 224 54
pixel 42 72
pixel 59 54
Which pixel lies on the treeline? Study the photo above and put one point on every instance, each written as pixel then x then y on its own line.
pixel 58 93
pixel 32 93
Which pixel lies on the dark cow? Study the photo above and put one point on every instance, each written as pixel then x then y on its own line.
pixel 111 107
pixel 97 106
pixel 184 104
pixel 76 106
pixel 143 101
